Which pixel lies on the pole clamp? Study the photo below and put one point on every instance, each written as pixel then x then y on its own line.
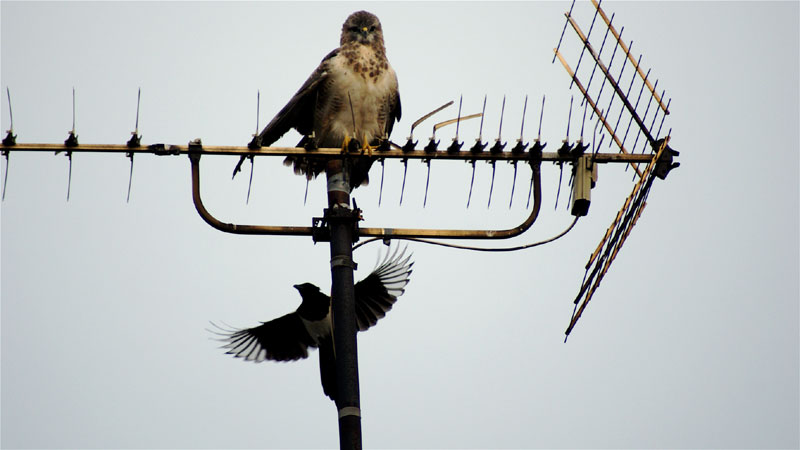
pixel 343 261
pixel 350 411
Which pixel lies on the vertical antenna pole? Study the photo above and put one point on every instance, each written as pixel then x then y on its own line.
pixel 342 220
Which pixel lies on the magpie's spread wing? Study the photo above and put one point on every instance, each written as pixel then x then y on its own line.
pixel 376 294
pixel 281 339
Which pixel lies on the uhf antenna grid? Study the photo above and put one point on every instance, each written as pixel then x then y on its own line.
pixel 641 111
pixel 615 79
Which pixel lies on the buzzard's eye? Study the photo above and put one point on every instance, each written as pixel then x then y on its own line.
pixel 372 28
pixel 353 29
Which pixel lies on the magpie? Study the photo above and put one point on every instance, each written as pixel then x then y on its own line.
pixel 288 338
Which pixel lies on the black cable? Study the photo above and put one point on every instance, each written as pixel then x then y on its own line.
pixel 479 249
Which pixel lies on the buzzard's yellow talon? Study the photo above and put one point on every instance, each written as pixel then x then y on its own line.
pixel 366 148
pixel 345 144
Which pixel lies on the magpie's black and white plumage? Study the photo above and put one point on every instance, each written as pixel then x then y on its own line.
pixel 288 338
pixel 353 94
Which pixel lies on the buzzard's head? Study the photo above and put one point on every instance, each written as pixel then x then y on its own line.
pixel 362 27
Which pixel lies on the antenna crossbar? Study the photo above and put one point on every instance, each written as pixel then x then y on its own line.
pixel 165 149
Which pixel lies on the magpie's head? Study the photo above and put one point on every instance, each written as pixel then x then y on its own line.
pixel 306 289
pixel 315 305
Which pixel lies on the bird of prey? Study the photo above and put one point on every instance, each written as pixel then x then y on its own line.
pixel 352 95
pixel 288 338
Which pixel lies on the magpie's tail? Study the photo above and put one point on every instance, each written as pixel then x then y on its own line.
pixel 327 368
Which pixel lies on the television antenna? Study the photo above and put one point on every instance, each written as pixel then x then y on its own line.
pixel 618 95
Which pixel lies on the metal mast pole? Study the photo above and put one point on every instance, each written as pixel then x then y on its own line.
pixel 341 221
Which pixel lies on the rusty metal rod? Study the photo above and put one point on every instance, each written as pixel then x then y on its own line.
pixel 388 233
pixel 230 227
pixel 168 149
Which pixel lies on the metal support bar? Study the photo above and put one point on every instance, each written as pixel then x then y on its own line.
pixel 387 233
pixel 341 222
pixel 333 153
pixel 234 228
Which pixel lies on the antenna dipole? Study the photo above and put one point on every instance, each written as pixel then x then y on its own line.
pixel 9 141
pixel 134 142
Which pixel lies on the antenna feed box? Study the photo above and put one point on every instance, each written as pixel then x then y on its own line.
pixel 585 179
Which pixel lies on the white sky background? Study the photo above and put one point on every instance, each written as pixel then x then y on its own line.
pixel 691 341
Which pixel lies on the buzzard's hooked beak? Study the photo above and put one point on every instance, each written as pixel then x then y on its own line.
pixel 364 31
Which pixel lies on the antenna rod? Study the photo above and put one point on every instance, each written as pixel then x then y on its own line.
pixel 427 183
pixel 458 120
pixel 426 116
pixel 10 139
pixel 250 181
pixel 380 192
pixel 73 110
pixel 72 141
pixel 491 186
pixel 524 111
pixel 258 108
pixel 502 113
pixel 5 177
pixel 132 143
pixel 138 101
pixel 497 148
pixel 471 182
pixel 569 117
pixel 477 148
pixel 10 112
pixel 483 112
pixel 256 143
pixel 403 187
pixel 69 175
pixel 562 32
pixel 537 146
pixel 541 116
pixel 518 148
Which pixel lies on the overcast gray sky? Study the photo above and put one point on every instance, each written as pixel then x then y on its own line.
pixel 691 341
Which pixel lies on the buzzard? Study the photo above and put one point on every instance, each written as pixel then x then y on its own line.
pixel 352 95
pixel 288 338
